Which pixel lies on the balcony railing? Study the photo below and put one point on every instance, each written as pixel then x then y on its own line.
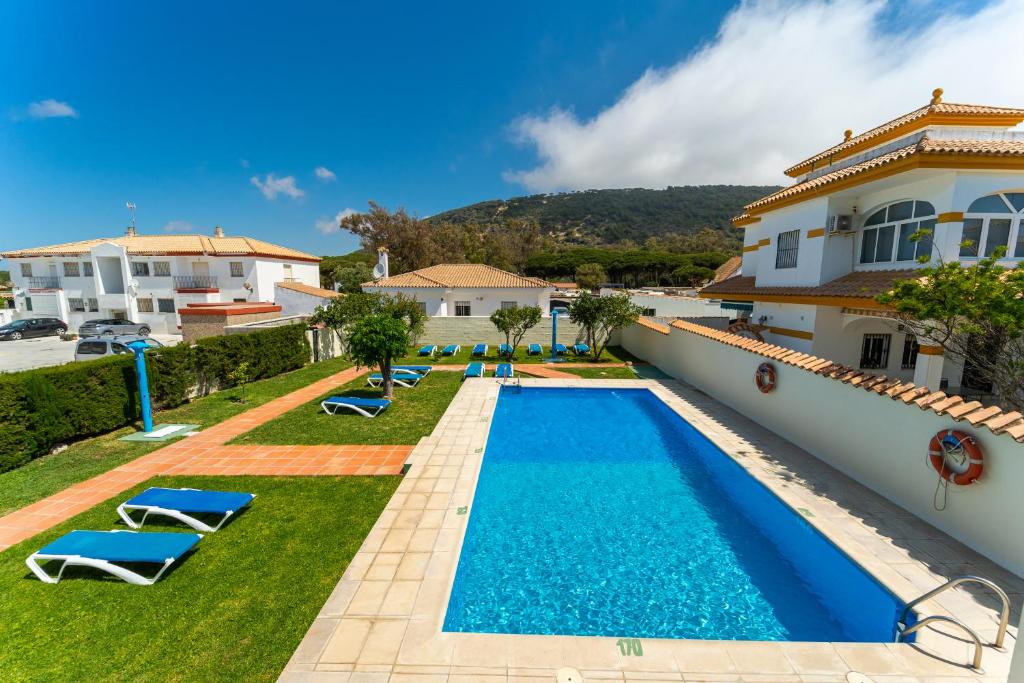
pixel 195 282
pixel 44 283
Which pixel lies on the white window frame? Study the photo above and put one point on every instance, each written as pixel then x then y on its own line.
pixel 76 305
pixel 161 268
pixel 160 306
pixel 509 304
pixel 140 265
pixel 93 304
pixel 148 307
pixel 787 244
pixel 918 219
pixel 240 268
pixel 71 269
pixel 87 269
pixel 468 305
pixel 26 269
pixel 1016 219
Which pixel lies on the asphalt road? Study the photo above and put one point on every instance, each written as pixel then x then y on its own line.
pixel 39 352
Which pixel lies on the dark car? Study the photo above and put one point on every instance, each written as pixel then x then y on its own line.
pixel 92 328
pixel 32 327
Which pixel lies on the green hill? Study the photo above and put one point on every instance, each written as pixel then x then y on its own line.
pixel 613 216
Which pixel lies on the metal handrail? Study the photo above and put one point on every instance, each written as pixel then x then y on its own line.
pixel 1004 617
pixel 44 282
pixel 976 665
pixel 195 281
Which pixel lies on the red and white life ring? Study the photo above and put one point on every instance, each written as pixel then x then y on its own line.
pixel 956 456
pixel 764 378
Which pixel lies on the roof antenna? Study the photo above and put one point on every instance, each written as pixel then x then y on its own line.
pixel 131 210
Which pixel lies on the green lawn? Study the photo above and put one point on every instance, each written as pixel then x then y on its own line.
pixel 617 372
pixel 83 459
pixel 234 610
pixel 412 415
pixel 613 354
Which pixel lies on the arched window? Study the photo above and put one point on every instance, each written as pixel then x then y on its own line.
pixel 887 234
pixel 991 222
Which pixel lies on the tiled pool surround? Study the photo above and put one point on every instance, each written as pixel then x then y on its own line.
pixel 384 620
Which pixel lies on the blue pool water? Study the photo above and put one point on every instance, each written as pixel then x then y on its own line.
pixel 602 512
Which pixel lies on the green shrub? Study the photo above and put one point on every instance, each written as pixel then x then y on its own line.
pixel 48 406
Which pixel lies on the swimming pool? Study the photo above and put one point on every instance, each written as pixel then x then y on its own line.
pixel 602 512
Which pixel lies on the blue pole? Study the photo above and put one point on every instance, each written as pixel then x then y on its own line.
pixel 139 348
pixel 554 332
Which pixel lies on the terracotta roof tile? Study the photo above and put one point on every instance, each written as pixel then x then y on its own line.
pixel 861 284
pixel 460 275
pixel 140 245
pixel 652 325
pixel 992 417
pixel 728 269
pixel 309 289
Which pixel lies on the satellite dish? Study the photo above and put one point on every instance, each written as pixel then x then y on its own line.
pixel 378 271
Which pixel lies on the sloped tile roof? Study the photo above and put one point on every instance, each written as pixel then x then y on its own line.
pixel 653 325
pixel 991 417
pixel 861 284
pixel 728 269
pixel 907 121
pixel 158 245
pixel 309 289
pixel 456 275
pixel 923 148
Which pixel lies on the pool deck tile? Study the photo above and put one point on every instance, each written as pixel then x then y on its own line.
pixel 383 621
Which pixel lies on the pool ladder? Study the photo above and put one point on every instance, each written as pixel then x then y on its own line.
pixel 512 382
pixel 902 630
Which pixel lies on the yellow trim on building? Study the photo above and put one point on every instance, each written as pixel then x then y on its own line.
pixel 930 350
pixel 817 232
pixel 764 243
pixel 741 221
pixel 950 217
pixel 752 247
pixel 839 301
pixel 786 332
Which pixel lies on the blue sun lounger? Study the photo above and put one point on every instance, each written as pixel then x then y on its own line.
pixel 580 349
pixel 402 379
pixel 428 350
pixel 505 350
pixel 505 370
pixel 474 370
pixel 480 350
pixel 418 369
pixel 367 407
pixel 450 350
pixel 108 550
pixel 559 349
pixel 534 349
pixel 182 504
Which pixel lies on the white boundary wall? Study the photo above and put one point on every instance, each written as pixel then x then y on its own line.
pixel 879 441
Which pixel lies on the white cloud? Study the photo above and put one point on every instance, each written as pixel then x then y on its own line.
pixel 271 186
pixel 51 109
pixel 780 82
pixel 330 225
pixel 180 226
pixel 325 174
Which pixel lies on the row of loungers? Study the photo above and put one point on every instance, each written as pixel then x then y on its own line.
pixel 503 350
pixel 109 551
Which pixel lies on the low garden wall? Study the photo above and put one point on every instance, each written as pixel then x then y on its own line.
pixel 873 429
pixel 470 330
pixel 48 406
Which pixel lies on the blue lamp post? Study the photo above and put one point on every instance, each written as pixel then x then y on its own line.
pixel 554 332
pixel 139 348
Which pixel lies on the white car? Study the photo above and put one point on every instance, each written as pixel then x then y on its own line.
pixel 92 348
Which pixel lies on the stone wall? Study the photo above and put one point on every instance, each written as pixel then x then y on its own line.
pixel 471 330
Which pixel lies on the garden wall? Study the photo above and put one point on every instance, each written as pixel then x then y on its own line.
pixel 469 330
pixel 871 428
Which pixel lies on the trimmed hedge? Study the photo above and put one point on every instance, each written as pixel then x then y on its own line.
pixel 48 406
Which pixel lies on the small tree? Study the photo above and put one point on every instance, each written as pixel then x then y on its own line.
pixel 239 377
pixel 599 316
pixel 514 323
pixel 349 279
pixel 346 314
pixel 589 276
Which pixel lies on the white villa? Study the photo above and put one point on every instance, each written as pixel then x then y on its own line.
pixel 817 253
pixel 148 278
pixel 463 289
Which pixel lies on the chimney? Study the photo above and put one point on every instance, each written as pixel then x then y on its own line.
pixel 130 232
pixel 381 271
pixel 218 231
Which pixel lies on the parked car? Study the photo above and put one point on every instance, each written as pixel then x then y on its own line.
pixel 32 327
pixel 92 328
pixel 92 348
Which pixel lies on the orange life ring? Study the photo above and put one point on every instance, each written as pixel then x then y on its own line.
pixel 960 448
pixel 764 378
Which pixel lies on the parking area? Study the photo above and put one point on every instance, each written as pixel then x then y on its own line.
pixel 39 352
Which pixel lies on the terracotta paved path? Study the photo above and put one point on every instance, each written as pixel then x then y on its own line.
pixel 207 454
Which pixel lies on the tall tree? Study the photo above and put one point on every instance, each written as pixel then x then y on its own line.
pixel 590 276
pixel 599 316
pixel 349 279
pixel 354 316
pixel 515 322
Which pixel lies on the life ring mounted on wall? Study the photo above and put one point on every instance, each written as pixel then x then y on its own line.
pixel 764 378
pixel 956 456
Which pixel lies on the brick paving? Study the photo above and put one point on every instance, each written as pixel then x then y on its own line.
pixel 206 453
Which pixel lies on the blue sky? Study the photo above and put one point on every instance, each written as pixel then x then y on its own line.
pixel 221 112
pixel 178 105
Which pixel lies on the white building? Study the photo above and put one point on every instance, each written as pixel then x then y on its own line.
pixel 299 298
pixel 148 278
pixel 817 253
pixel 463 289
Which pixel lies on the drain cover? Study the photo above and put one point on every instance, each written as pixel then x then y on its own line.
pixel 568 675
pixel 857 677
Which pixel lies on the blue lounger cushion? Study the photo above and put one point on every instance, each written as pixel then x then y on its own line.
pixel 474 370
pixel 504 350
pixel 534 349
pixel 479 349
pixel 421 369
pixel 580 349
pixel 367 407
pixel 182 504
pixel 559 349
pixel 428 350
pixel 450 350
pixel 103 550
pixel 504 370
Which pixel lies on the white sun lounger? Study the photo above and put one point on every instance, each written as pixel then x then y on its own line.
pixel 403 379
pixel 367 407
pixel 183 504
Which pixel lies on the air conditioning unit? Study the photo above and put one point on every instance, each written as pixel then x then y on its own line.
pixel 840 224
